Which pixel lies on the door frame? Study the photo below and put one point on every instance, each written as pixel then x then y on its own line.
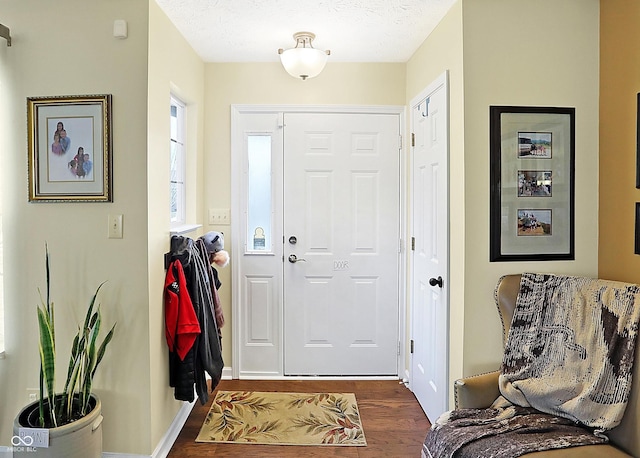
pixel 238 195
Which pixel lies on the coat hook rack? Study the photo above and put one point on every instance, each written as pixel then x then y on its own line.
pixel 6 34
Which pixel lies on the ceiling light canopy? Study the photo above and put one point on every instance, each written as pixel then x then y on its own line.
pixel 303 61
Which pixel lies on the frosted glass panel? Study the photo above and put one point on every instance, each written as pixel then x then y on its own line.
pixel 260 193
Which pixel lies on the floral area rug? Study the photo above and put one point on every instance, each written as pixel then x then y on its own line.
pixel 251 417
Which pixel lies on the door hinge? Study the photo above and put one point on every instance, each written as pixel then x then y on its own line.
pixel 413 244
pixel 399 141
pixel 411 346
pixel 398 348
pixel 413 139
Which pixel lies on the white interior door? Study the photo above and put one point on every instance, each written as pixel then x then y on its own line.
pixel 341 222
pixel 429 379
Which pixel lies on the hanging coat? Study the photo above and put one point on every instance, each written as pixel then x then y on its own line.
pixel 205 356
pixel 181 323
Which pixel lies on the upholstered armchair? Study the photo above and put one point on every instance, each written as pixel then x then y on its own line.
pixel 480 392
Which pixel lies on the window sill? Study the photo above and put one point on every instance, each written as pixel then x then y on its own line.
pixel 184 229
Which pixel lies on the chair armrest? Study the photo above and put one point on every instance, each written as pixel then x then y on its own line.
pixel 477 391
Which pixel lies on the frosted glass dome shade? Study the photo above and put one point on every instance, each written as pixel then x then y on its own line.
pixel 303 61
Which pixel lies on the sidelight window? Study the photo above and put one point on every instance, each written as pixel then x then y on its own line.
pixel 259 188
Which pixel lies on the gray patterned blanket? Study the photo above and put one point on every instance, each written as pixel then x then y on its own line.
pixel 566 371
pixel 502 432
pixel 571 346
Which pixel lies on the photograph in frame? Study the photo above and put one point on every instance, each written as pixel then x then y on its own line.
pixel 535 144
pixel 534 222
pixel 70 148
pixel 535 183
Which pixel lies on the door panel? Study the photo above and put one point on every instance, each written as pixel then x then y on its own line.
pixel 430 256
pixel 341 203
pixel 257 246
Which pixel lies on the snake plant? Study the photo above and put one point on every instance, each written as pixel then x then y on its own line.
pixel 73 403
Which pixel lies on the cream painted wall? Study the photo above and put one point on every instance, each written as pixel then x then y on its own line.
pixel 503 39
pixel 173 68
pixel 442 51
pixel 74 55
pixel 268 83
pixel 619 86
pixel 482 45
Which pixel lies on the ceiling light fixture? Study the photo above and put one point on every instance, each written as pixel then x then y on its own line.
pixel 303 61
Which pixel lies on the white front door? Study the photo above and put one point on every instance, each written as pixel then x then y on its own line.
pixel 430 275
pixel 341 243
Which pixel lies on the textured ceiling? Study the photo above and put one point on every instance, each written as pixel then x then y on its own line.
pixel 354 30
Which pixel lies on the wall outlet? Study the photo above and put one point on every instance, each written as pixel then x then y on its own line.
pixel 32 395
pixel 220 216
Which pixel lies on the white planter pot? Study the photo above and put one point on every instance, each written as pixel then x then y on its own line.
pixel 80 439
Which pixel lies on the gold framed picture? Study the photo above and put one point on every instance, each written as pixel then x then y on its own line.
pixel 69 142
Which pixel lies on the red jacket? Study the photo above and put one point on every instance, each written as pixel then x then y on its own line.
pixel 181 323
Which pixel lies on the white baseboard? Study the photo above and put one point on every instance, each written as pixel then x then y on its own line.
pixel 227 373
pixel 164 446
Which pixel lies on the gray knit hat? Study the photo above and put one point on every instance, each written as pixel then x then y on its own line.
pixel 213 241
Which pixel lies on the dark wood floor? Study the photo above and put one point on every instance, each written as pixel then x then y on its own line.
pixel 393 422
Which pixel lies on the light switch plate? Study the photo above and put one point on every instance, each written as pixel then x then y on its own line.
pixel 115 226
pixel 220 216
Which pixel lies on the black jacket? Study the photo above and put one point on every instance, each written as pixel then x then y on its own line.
pixel 206 353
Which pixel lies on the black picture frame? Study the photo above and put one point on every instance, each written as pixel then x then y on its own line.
pixel 638 141
pixel 637 231
pixel 539 227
